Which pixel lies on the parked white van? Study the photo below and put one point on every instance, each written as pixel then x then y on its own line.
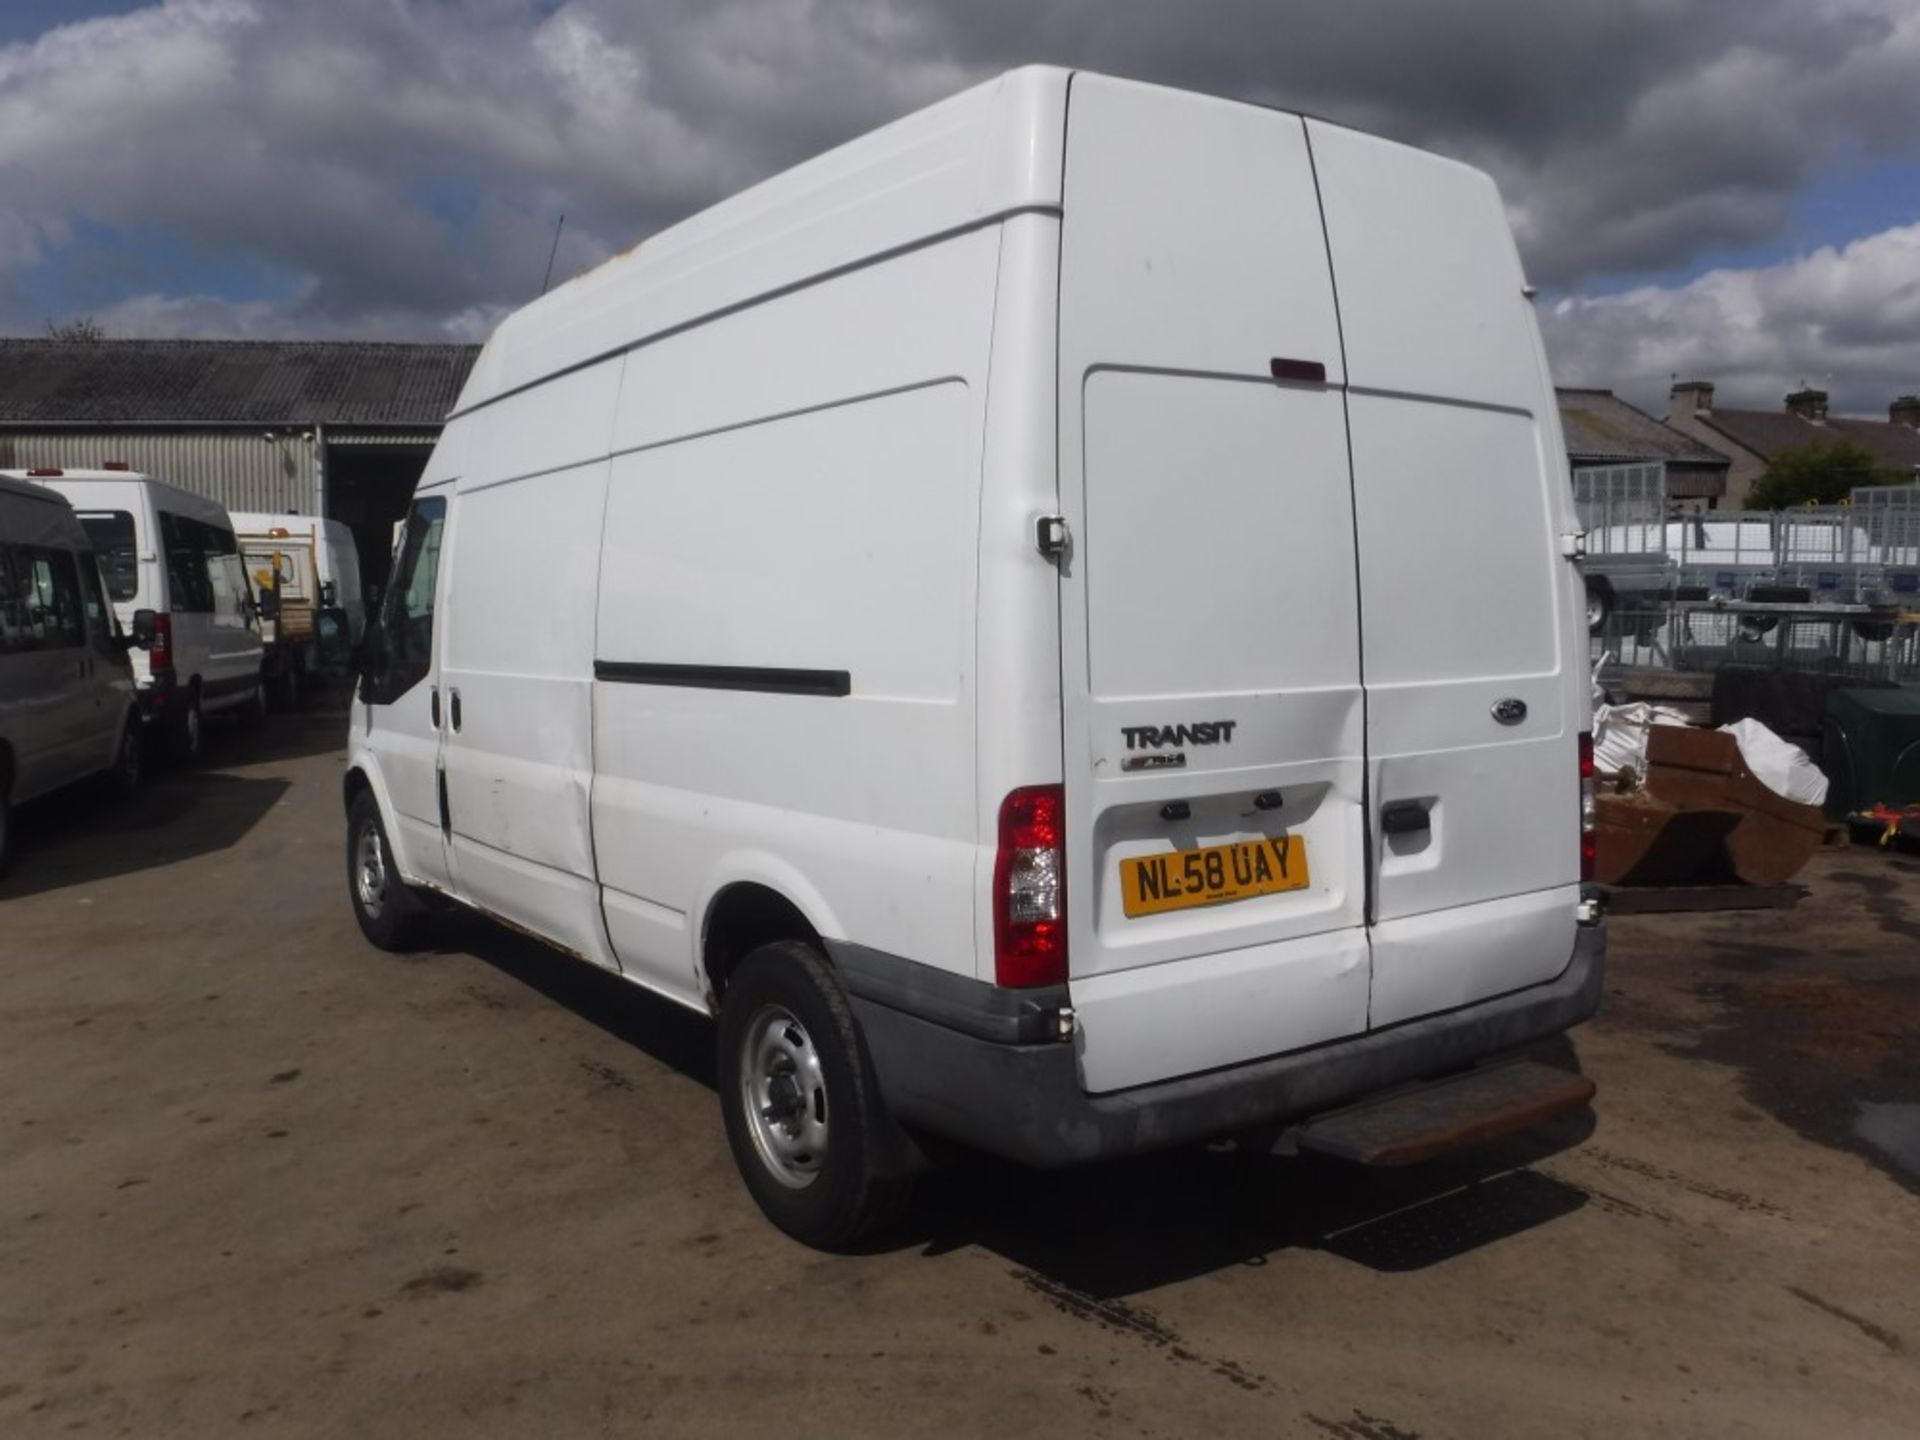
pixel 173 568
pixel 317 559
pixel 966 613
pixel 67 708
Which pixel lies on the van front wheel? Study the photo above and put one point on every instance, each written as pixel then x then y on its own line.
pixel 803 1111
pixel 390 913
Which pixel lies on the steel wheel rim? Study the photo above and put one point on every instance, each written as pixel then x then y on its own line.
pixel 783 1094
pixel 370 872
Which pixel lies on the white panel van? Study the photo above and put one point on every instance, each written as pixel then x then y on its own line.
pixel 67 709
pixel 173 568
pixel 317 558
pixel 965 613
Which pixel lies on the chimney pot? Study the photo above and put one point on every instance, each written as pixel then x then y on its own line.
pixel 1691 397
pixel 1808 405
pixel 1905 411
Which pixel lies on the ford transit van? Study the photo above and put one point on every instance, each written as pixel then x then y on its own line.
pixel 67 709
pixel 967 614
pixel 174 571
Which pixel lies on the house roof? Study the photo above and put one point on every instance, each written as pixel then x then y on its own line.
pixel 1599 425
pixel 219 382
pixel 1767 432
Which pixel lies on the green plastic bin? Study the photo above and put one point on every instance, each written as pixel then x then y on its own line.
pixel 1870 748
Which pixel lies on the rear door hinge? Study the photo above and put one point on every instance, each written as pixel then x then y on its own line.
pixel 1573 545
pixel 1050 536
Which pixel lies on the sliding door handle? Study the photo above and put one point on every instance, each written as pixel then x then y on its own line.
pixel 453 708
pixel 433 704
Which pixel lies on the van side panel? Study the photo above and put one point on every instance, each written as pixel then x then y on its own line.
pixel 1212 584
pixel 522 560
pixel 1460 493
pixel 803 497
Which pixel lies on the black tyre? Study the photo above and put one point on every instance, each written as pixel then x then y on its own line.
pixel 6 819
pixel 391 913
pixel 1599 605
pixel 130 760
pixel 253 714
pixel 804 1117
pixel 186 738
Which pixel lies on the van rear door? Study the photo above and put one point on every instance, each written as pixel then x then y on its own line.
pixel 1475 693
pixel 1212 700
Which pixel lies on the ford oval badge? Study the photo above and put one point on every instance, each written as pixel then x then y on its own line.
pixel 1510 711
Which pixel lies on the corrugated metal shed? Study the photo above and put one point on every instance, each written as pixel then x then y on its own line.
pixel 241 469
pixel 46 383
pixel 254 424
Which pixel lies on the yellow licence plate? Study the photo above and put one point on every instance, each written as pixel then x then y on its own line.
pixel 1213 876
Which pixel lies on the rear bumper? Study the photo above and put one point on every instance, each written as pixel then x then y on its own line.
pixel 1024 1100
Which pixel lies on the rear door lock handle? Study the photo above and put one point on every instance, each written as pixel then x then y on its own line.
pixel 1405 819
pixel 453 708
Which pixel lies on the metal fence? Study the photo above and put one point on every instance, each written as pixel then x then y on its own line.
pixel 1832 589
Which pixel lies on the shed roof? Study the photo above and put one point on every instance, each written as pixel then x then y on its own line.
pixel 1767 432
pixel 1599 425
pixel 229 382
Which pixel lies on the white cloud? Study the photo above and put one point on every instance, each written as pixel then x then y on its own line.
pixel 1844 319
pixel 396 166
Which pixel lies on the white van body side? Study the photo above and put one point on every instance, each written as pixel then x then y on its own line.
pixel 215 646
pixel 1072 435
pixel 66 694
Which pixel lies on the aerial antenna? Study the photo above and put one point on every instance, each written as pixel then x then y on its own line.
pixel 547 279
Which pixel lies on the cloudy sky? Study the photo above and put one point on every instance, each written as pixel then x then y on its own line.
pixel 1724 188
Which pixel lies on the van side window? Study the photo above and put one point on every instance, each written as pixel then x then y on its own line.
pixel 405 651
pixel 186 545
pixel 14 582
pixel 93 597
pixel 113 541
pixel 55 618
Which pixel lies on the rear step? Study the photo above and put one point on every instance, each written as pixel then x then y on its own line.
pixel 1468 1109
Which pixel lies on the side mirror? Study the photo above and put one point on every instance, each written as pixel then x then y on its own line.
pixel 269 604
pixel 143 629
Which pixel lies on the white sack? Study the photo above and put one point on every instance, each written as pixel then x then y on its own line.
pixel 1620 735
pixel 1781 767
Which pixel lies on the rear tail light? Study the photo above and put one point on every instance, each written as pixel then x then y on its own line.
pixel 1030 889
pixel 1587 815
pixel 160 653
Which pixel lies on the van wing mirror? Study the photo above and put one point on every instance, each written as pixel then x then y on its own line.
pixel 143 629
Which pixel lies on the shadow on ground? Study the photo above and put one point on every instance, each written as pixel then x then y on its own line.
pixel 81 835
pixel 1125 1227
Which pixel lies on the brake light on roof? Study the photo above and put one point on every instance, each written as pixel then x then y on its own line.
pixel 1030 889
pixel 115 465
pixel 160 653
pixel 1587 808
pixel 42 472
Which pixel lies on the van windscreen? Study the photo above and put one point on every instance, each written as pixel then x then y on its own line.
pixel 113 543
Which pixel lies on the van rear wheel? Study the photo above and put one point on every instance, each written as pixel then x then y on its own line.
pixel 804 1117
pixel 186 735
pixel 129 760
pixel 391 913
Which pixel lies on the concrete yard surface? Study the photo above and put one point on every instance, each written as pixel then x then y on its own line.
pixel 257 1178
